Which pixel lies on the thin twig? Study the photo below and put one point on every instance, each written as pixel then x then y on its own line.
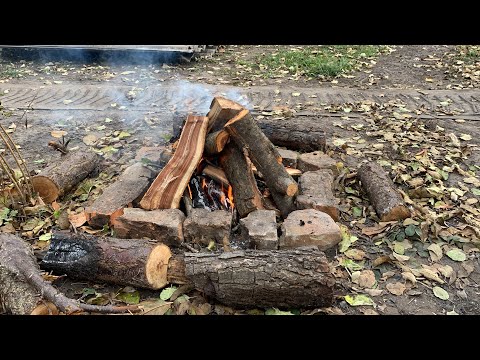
pixel 20 161
pixel 7 170
pixel 192 249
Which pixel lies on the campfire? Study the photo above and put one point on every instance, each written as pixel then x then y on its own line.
pixel 226 210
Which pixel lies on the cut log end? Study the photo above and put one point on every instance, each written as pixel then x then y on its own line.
pixel 46 188
pixel 157 266
pixel 399 212
pixel 291 189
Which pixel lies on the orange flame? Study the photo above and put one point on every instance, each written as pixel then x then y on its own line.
pixel 230 196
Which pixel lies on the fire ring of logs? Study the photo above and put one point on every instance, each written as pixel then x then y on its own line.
pixel 226 184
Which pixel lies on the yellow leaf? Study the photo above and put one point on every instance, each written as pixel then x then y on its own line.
pixel 58 133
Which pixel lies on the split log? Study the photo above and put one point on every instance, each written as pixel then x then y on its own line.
pixel 60 177
pixel 167 189
pixel 215 142
pixel 256 278
pixel 221 111
pixel 129 187
pixel 246 195
pixel 23 290
pixel 386 200
pixel 137 263
pixel 216 174
pixel 247 135
pixel 295 134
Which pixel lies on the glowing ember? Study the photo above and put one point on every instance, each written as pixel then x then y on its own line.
pixel 230 196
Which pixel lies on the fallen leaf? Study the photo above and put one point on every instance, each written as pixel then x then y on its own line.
pixel 58 133
pixel 400 258
pixel 465 137
pixel 45 237
pixel 374 230
pixel 89 139
pixel 440 293
pixel 410 277
pixel 77 220
pixel 374 292
pixel 380 260
pixel 366 279
pixel 123 134
pixel 296 94
pixel 359 300
pixel 355 254
pixel 446 270
pixel 452 312
pixel 154 307
pixel 129 295
pixel 435 252
pixel 275 311
pixel 429 274
pixel 55 206
pixel 66 102
pixel 167 293
pixel 456 255
pixel 396 288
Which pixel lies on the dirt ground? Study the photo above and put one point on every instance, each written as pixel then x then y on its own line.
pixel 102 98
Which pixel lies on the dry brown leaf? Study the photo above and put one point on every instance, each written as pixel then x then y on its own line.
pixel 374 230
pixel 364 278
pixel 368 311
pixel 77 220
pixel 374 292
pixel 89 139
pixel 396 288
pixel 355 254
pixel 90 231
pixel 55 206
pixel 410 277
pixel 380 260
pixel 429 274
pixel 58 133
pixel 435 252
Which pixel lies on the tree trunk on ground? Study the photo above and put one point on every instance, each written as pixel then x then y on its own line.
pixel 129 186
pixel 134 262
pixel 386 200
pixel 167 189
pixel 60 177
pixel 254 278
pixel 23 290
pixel 246 195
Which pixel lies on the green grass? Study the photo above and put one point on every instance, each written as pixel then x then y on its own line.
pixel 469 53
pixel 328 61
pixel 8 72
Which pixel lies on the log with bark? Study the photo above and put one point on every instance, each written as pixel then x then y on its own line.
pixel 296 134
pixel 215 142
pixel 240 175
pixel 386 200
pixel 137 263
pixel 251 278
pixel 263 278
pixel 63 175
pixel 221 110
pixel 247 135
pixel 23 291
pixel 129 187
pixel 167 189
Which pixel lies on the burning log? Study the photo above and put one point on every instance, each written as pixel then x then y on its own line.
pixel 199 198
pixel 138 263
pixel 60 177
pixel 247 135
pixel 215 142
pixel 23 291
pixel 388 203
pixel 167 189
pixel 240 175
pixel 216 174
pixel 128 188
pixel 256 278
